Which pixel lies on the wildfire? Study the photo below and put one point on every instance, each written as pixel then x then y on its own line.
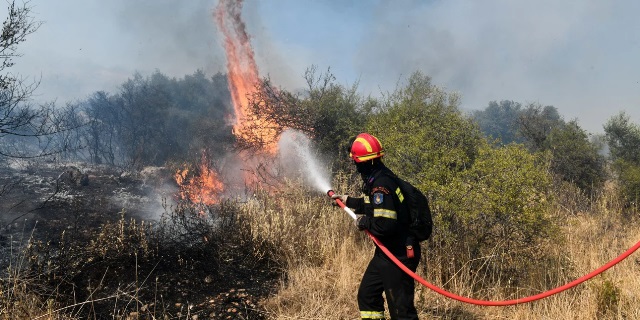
pixel 243 77
pixel 248 126
pixel 204 188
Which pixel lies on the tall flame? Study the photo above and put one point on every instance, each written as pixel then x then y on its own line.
pixel 243 78
pixel 250 128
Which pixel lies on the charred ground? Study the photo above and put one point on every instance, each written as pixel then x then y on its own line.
pixel 116 244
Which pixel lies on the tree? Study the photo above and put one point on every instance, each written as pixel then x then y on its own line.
pixel 535 123
pixel 156 119
pixel 500 208
pixel 623 138
pixel 15 29
pixel 424 133
pixel 487 200
pixel 500 121
pixel 574 158
pixel 330 113
pixel 102 134
pixel 25 131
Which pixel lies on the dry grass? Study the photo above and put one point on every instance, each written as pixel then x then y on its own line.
pixel 324 258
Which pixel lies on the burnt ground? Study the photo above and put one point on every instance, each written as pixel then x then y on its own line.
pixel 41 202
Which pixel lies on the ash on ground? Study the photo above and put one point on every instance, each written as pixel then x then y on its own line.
pixel 41 202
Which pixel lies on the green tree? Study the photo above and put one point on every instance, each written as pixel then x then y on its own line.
pixel 536 122
pixel 328 112
pixel 623 139
pixel 486 201
pixel 574 158
pixel 500 121
pixel 500 208
pixel 424 134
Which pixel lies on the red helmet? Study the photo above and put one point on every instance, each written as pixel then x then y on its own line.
pixel 366 147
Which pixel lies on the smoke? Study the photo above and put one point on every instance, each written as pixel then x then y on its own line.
pixel 579 56
pixel 174 37
pixel 576 56
pixel 297 156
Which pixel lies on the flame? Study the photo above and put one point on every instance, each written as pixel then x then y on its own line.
pixel 250 128
pixel 243 78
pixel 204 188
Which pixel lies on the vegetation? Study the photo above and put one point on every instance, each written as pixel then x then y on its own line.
pixel 26 131
pixel 623 138
pixel 575 158
pixel 521 202
pixel 155 120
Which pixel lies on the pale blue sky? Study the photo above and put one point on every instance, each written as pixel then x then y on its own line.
pixel 581 56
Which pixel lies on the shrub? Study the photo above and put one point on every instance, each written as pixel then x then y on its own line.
pixel 608 296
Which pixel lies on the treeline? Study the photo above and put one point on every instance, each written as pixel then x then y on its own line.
pixel 154 120
pixel 576 156
pixel 494 176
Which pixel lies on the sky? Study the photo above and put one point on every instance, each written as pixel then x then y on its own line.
pixel 580 56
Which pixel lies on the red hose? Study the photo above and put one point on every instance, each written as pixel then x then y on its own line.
pixel 496 303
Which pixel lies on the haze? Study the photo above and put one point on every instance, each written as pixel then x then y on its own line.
pixel 579 56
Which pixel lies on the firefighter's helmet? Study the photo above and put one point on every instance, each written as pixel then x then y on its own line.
pixel 365 148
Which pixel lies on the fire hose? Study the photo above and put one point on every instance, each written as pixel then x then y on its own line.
pixel 488 302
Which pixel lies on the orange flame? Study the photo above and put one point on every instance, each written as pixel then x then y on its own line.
pixel 243 77
pixel 248 126
pixel 204 188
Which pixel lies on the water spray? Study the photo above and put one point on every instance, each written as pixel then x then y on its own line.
pixel 296 151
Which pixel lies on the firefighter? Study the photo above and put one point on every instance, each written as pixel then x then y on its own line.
pixel 382 213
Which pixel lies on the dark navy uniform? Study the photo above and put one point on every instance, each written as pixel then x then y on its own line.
pixel 387 218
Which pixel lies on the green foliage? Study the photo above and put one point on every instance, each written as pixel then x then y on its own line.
pixel 495 216
pixel 608 296
pixel 487 202
pixel 336 113
pixel 500 121
pixel 574 158
pixel 425 136
pixel 503 199
pixel 328 112
pixel 535 123
pixel 623 138
pixel 629 179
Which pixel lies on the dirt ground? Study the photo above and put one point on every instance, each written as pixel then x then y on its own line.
pixel 42 201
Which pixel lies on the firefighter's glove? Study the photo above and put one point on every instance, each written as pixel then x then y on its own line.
pixel 360 223
pixel 341 197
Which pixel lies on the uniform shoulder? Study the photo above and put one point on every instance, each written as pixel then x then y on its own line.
pixel 384 179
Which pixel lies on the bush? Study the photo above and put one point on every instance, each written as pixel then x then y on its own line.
pixel 496 213
pixel 130 268
pixel 490 204
pixel 426 138
pixel 608 296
